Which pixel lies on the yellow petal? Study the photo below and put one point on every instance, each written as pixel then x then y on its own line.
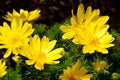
pixel 19 27
pixel 29 62
pixel 68 35
pixel 6 26
pixel 65 28
pixel 86 77
pixel 88 12
pixel 88 49
pixel 34 14
pixel 35 42
pixel 51 45
pixel 73 20
pixel 76 66
pixel 2 65
pixel 44 43
pixel 39 65
pixel 94 15
pixel 102 20
pixel 56 51
pixel 102 50
pixel 15 13
pixel 2 73
pixel 80 13
pixel 8 17
pixel 67 74
pixel 8 52
pixel 54 55
pixel 26 30
pixel 24 12
pixel 101 31
pixel 14 25
pixel 107 38
pixel 105 45
pixel 83 71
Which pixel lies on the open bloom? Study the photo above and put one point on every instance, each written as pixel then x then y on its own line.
pixel 89 29
pixel 83 18
pixel 99 66
pixel 76 72
pixel 2 68
pixel 95 38
pixel 39 52
pixel 14 36
pixel 24 15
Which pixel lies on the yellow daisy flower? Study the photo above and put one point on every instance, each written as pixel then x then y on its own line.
pixel 2 68
pixel 76 72
pixel 83 18
pixel 24 15
pixel 94 38
pixel 89 29
pixel 14 36
pixel 99 66
pixel 39 52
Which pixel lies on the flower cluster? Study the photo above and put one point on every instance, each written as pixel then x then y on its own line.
pixel 87 28
pixel 17 39
pixel 90 30
pixel 24 15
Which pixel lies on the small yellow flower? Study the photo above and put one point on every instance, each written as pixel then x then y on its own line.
pixel 2 68
pixel 76 72
pixel 89 29
pixel 39 52
pixel 24 15
pixel 14 36
pixel 99 66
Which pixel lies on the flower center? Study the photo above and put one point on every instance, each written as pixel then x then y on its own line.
pixel 15 41
pixel 94 41
pixel 42 56
pixel 74 78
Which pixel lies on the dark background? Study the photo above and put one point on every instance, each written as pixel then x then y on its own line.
pixel 53 11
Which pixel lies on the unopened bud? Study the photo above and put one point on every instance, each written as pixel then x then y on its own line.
pixel 115 76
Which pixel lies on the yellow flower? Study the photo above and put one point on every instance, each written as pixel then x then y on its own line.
pixel 83 18
pixel 76 72
pixel 2 68
pixel 89 29
pixel 39 52
pixel 11 38
pixel 24 15
pixel 99 66
pixel 94 38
